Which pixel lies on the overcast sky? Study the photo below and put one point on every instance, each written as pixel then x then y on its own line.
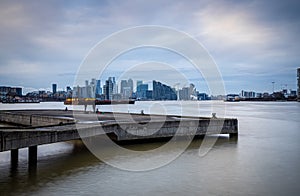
pixel 252 42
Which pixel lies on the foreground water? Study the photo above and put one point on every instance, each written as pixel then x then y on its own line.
pixel 264 161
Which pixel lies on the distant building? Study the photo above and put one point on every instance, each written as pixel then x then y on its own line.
pixel 141 91
pixel 203 96
pixel 98 87
pixel 12 91
pixel 116 96
pixel 184 93
pixel 188 93
pixel 127 92
pixel 130 83
pixel 149 94
pixel 126 88
pixel 192 92
pixel 139 82
pixel 105 90
pixel 259 95
pixel 285 92
pixel 16 91
pixel 54 88
pixel 123 85
pixel 76 91
pixel 247 94
pixel 293 93
pixel 4 90
pixel 265 95
pixel 115 86
pixel 218 97
pixel 83 92
pixel 163 92
pixel 108 88
pixel 93 81
pixel 68 89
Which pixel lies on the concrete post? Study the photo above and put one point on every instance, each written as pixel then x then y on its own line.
pixel 32 156
pixel 30 120
pixel 233 135
pixel 14 157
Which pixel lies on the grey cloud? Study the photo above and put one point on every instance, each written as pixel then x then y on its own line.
pixel 244 37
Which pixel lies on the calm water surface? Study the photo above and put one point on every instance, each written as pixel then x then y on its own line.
pixel 264 161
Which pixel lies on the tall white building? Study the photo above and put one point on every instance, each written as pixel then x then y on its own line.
pixel 126 88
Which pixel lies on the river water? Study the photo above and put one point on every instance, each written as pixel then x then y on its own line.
pixel 265 160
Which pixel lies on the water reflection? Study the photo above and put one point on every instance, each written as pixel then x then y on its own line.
pixel 16 180
pixel 264 161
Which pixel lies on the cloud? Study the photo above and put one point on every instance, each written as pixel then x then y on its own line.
pixel 43 41
pixel 251 38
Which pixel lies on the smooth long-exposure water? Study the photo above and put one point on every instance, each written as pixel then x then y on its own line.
pixel 265 160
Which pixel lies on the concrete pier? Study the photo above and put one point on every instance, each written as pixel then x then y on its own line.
pixel 14 157
pixel 36 127
pixel 32 156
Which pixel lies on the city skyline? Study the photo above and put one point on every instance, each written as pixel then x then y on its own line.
pixel 250 42
pixel 125 90
pixel 97 83
pixel 140 90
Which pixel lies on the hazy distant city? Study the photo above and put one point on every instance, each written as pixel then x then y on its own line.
pixel 126 89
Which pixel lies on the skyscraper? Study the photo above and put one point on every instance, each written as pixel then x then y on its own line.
pixel 184 93
pixel 92 89
pixel 86 89
pixel 93 82
pixel 54 88
pixel 130 83
pixel 123 85
pixel 126 88
pixel 115 86
pixel 108 88
pixel 68 88
pixel 141 91
pixel 139 82
pixel 163 92
pixel 18 91
pixel 76 92
pixel 98 87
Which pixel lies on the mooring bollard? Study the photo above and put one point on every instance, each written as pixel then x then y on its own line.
pixel 214 115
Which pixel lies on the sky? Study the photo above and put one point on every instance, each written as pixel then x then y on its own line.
pixel 253 43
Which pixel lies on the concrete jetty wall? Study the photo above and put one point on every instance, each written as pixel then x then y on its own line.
pixel 42 129
pixel 15 138
pixel 33 119
pixel 134 131
pixel 20 138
